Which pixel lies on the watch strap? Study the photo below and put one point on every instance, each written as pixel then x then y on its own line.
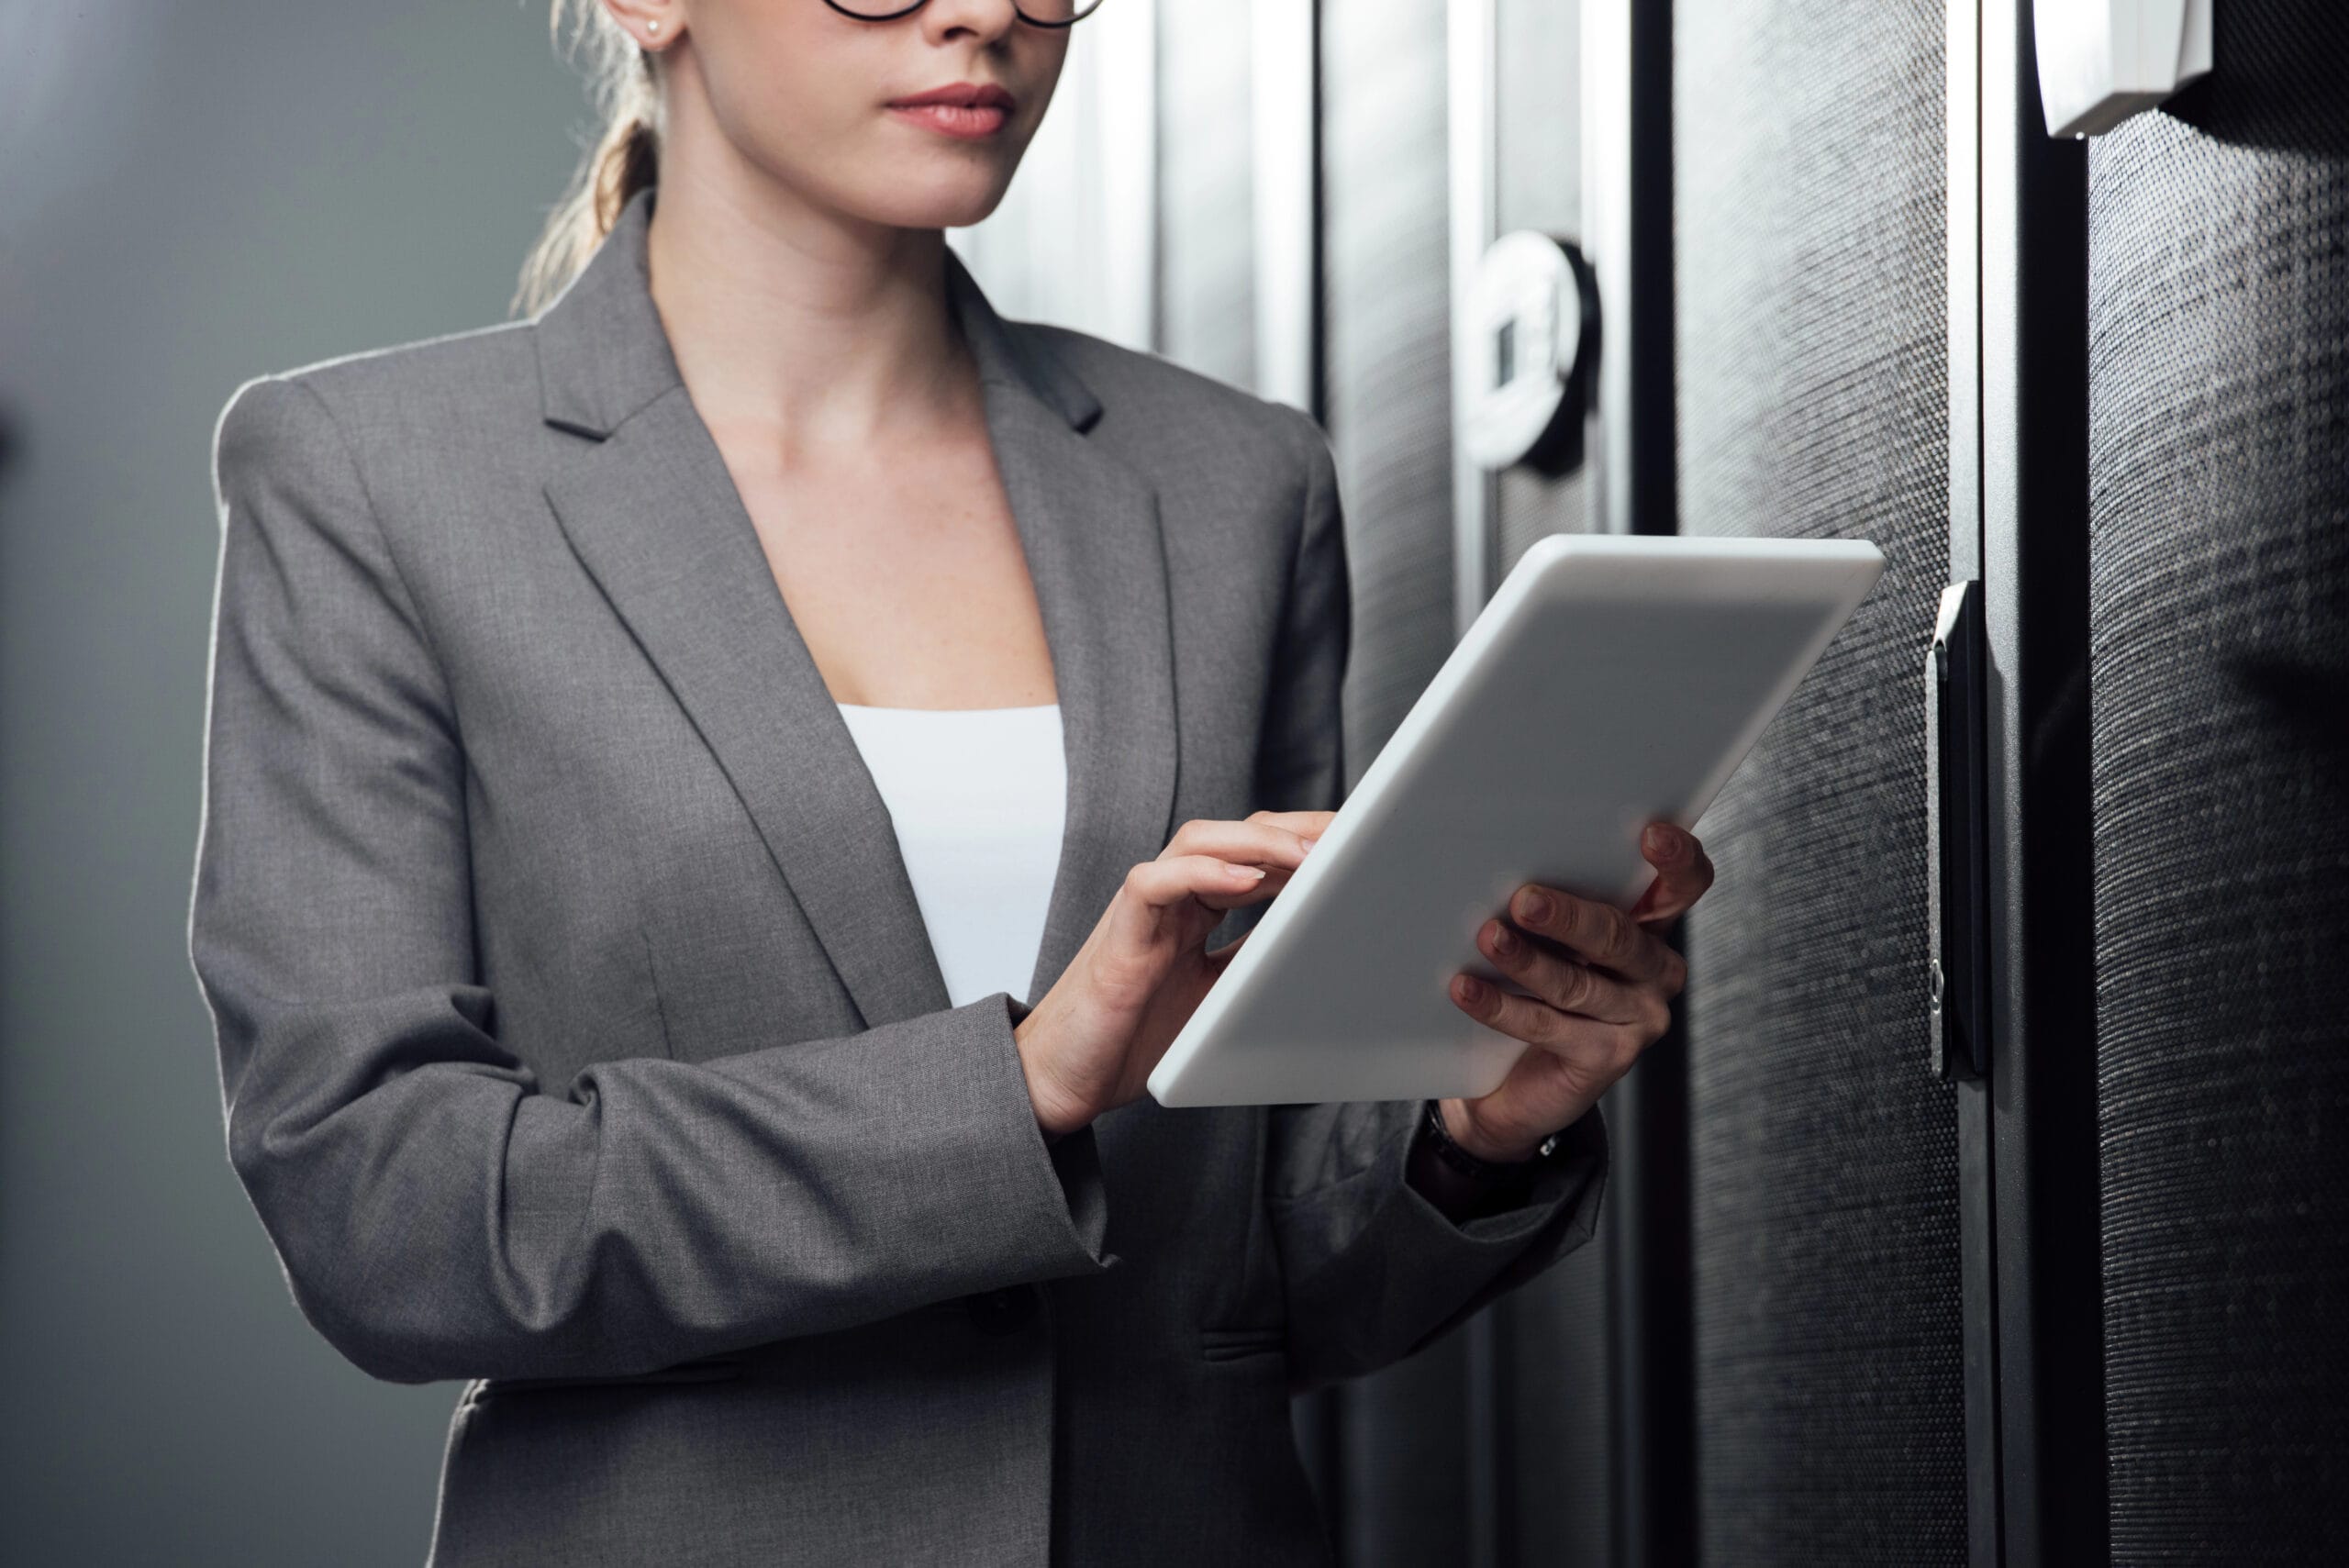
pixel 1476 1166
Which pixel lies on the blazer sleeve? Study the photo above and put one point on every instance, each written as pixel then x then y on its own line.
pixel 1372 1271
pixel 439 1212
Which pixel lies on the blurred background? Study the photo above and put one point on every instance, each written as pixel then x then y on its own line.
pixel 2056 1273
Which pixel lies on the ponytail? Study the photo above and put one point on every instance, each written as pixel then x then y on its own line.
pixel 625 159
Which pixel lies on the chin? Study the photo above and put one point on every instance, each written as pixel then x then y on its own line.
pixel 920 199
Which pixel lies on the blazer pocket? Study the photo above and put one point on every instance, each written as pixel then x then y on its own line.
pixel 707 1368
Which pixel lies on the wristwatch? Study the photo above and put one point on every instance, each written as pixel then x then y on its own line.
pixel 1496 1171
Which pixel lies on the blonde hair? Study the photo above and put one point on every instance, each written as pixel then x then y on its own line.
pixel 624 160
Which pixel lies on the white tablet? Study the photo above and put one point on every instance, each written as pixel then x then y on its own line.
pixel 1610 681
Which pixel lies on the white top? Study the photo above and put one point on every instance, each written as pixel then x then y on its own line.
pixel 978 796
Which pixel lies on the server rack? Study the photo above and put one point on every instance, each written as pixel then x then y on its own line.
pixel 2079 1298
pixel 2217 334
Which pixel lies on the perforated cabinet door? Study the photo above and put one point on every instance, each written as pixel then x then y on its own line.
pixel 2218 302
pixel 1812 385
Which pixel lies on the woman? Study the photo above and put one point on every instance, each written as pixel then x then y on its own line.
pixel 614 1014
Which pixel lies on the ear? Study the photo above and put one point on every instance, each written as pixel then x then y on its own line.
pixel 654 25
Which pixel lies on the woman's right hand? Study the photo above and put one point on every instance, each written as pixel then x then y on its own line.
pixel 1090 1044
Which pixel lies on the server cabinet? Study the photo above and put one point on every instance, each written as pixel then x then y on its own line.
pixel 2084 1303
pixel 1812 400
pixel 2218 289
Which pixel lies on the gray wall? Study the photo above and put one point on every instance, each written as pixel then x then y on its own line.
pixel 191 195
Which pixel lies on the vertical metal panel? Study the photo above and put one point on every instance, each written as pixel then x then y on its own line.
pixel 1208 237
pixel 1549 1368
pixel 1287 217
pixel 1402 1475
pixel 1628 148
pixel 1591 1363
pixel 2219 351
pixel 1808 162
pixel 1583 1427
pixel 2031 485
pixel 1538 176
pixel 1650 1306
pixel 1470 68
pixel 1386 289
pixel 1625 77
pixel 1974 1087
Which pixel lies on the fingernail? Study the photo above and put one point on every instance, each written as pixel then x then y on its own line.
pixel 1306 847
pixel 1662 842
pixel 1250 871
pixel 1535 906
pixel 1470 989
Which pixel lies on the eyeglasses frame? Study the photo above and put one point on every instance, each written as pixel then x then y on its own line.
pixel 917 5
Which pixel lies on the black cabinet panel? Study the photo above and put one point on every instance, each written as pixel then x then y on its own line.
pixel 2218 302
pixel 1812 400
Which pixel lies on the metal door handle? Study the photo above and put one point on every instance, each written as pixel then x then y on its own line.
pixel 1956 822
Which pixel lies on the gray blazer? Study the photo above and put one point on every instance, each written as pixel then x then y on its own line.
pixel 580 1037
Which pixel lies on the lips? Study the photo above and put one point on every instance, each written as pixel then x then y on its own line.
pixel 964 94
pixel 967 111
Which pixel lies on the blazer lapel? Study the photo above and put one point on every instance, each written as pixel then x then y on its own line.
pixel 653 514
pixel 1090 526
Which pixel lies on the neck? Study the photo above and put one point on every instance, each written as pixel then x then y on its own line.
pixel 826 333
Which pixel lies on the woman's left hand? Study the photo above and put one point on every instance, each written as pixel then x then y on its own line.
pixel 1602 985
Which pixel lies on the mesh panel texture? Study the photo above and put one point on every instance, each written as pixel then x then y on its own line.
pixel 1812 383
pixel 2219 309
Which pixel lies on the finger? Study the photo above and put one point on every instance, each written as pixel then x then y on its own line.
pixel 1683 874
pixel 1215 835
pixel 1219 885
pixel 1569 986
pixel 1243 843
pixel 1312 824
pixel 1592 930
pixel 1605 1051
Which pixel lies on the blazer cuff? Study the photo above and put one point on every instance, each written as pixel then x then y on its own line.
pixel 1376 1271
pixel 1061 1197
pixel 1566 1185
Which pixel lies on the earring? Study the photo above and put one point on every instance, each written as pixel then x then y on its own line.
pixel 653 28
